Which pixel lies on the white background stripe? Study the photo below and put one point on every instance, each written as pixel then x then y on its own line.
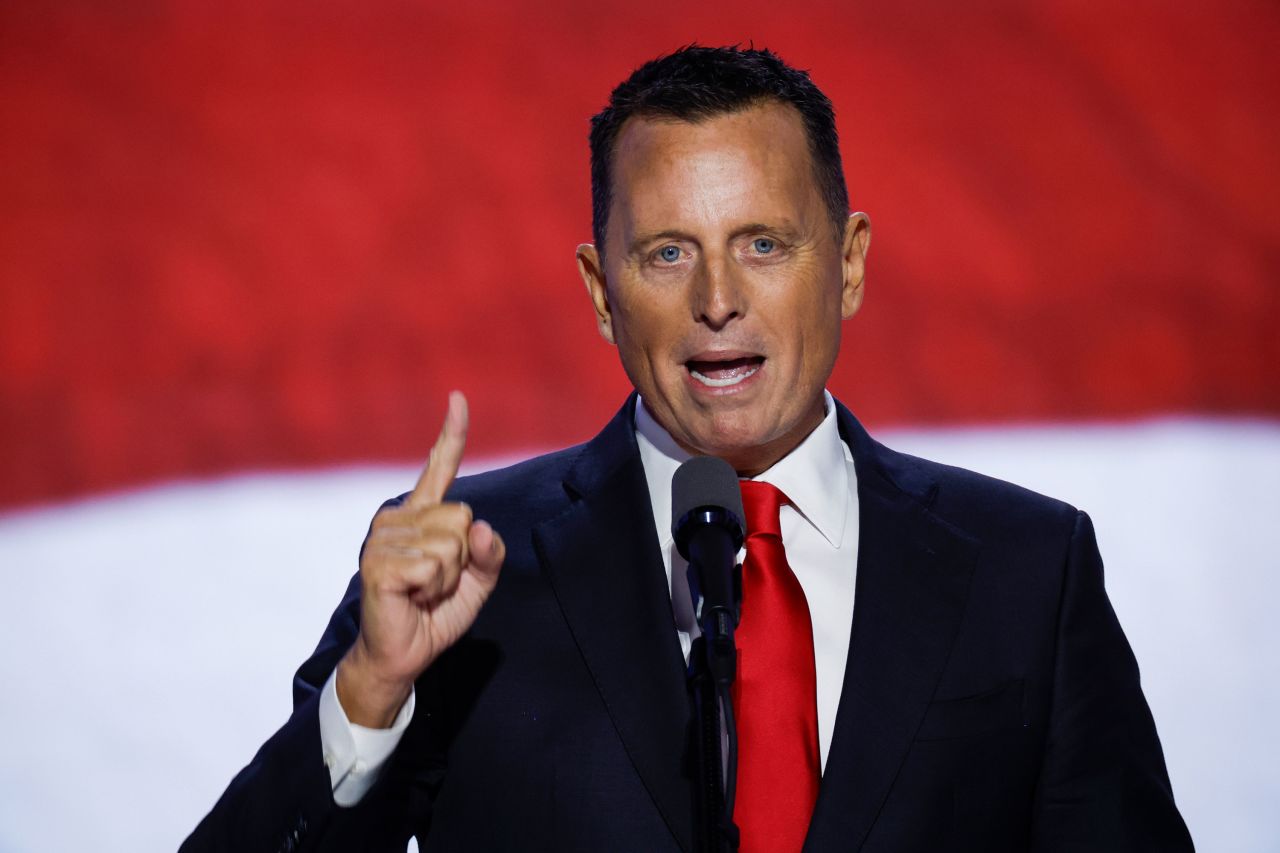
pixel 149 639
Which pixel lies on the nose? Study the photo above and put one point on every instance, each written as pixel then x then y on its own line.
pixel 718 294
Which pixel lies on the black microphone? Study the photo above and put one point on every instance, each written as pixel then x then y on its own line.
pixel 707 523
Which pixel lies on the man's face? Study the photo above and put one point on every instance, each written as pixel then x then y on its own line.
pixel 723 285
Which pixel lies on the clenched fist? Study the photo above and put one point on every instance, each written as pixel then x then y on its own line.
pixel 427 569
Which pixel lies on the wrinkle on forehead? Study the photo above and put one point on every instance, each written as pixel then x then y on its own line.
pixel 714 175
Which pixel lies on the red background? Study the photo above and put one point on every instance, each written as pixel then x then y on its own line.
pixel 250 234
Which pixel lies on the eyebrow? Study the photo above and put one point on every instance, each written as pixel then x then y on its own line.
pixel 784 228
pixel 654 236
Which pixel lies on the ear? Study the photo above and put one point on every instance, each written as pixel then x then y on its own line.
pixel 857 240
pixel 592 272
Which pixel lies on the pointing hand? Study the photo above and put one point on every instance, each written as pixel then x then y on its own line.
pixel 427 569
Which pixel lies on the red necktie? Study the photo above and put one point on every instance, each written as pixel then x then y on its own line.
pixel 775 693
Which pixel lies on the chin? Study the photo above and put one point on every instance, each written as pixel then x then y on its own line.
pixel 733 439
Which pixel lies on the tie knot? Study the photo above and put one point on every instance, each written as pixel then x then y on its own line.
pixel 761 502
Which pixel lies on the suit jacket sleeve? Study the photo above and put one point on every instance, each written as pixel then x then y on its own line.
pixel 1103 784
pixel 282 801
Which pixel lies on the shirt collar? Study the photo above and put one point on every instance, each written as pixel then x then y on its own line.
pixel 814 475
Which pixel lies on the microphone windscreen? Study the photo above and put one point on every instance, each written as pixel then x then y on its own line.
pixel 704 481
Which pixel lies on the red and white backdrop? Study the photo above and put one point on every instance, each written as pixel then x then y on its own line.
pixel 247 248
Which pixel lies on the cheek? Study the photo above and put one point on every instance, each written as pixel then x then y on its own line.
pixel 812 332
pixel 642 324
pixel 641 343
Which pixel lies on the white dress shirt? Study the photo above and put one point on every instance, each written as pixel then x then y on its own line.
pixel 819 534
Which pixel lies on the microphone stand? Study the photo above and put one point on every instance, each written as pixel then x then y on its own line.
pixel 712 667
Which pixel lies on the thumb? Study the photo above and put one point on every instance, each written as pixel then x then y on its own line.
pixel 487 550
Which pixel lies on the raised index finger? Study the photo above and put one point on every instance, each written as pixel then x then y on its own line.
pixel 446 456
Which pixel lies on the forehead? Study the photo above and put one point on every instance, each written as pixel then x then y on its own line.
pixel 753 163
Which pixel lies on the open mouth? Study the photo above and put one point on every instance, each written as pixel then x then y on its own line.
pixel 724 373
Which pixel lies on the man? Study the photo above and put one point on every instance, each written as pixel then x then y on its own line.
pixel 518 682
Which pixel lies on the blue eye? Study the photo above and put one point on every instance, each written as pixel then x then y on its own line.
pixel 670 254
pixel 763 245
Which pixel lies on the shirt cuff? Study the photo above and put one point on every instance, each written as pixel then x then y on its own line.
pixel 355 754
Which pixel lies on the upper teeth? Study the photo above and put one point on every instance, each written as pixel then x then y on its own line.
pixel 728 380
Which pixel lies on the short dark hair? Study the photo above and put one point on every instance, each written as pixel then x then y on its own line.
pixel 696 83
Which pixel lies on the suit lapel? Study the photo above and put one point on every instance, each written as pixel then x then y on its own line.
pixel 603 561
pixel 912 584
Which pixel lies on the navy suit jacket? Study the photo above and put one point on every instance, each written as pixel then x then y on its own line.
pixel 990 700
